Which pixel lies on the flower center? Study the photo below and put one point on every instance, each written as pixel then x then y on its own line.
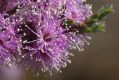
pixel 74 14
pixel 47 37
pixel 1 42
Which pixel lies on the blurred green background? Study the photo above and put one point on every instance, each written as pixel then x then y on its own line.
pixel 100 60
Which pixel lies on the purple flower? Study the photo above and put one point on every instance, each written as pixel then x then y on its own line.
pixel 8 43
pixel 32 31
pixel 77 12
pixel 48 50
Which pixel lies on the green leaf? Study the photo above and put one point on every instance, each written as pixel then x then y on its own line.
pixel 104 11
pixel 98 27
pixel 101 14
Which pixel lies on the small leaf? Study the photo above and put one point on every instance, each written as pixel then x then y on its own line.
pixel 104 11
pixel 98 27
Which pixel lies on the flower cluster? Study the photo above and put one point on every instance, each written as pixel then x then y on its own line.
pixel 38 34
